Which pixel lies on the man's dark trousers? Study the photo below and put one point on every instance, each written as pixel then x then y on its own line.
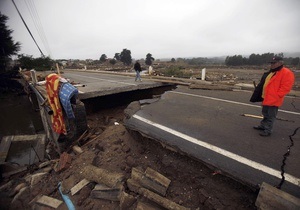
pixel 269 113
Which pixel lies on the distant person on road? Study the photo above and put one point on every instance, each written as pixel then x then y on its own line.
pixel 138 69
pixel 271 90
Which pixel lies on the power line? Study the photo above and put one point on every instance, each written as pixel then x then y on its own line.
pixel 28 29
pixel 38 25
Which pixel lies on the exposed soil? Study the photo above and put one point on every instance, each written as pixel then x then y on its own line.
pixel 116 149
pixel 109 145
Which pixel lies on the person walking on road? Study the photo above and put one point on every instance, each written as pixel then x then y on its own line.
pixel 138 69
pixel 273 87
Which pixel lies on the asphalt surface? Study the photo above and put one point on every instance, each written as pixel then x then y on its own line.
pixel 93 84
pixel 209 126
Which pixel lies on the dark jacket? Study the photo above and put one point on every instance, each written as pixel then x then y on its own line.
pixel 257 93
pixel 137 66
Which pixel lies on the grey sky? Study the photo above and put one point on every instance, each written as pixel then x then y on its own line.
pixel 165 28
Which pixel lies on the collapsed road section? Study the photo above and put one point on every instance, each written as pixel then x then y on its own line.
pixel 209 126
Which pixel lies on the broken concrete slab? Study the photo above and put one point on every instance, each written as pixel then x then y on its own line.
pixel 145 206
pixel 107 193
pixel 132 108
pixel 151 180
pixel 161 200
pixel 157 177
pixel 272 198
pixel 102 176
pixel 126 200
pixel 133 185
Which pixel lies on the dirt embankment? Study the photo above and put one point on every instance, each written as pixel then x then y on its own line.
pixel 114 148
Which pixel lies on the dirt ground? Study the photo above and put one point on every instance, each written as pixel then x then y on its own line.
pixel 109 145
pixel 193 185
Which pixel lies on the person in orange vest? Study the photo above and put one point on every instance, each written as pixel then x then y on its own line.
pixel 277 83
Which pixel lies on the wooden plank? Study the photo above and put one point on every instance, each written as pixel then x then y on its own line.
pixel 272 198
pixel 4 147
pixel 48 201
pixel 79 186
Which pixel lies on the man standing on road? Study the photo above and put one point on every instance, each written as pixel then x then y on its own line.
pixel 138 69
pixel 277 83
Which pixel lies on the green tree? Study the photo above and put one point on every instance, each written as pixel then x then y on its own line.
pixel 149 59
pixel 295 61
pixel 125 57
pixel 173 60
pixel 113 61
pixel 117 56
pixel 7 46
pixel 103 58
pixel 39 64
pixel 236 60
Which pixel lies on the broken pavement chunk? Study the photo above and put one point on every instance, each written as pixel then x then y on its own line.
pixel 126 200
pixel 161 200
pixel 151 180
pixel 107 193
pixel 102 176
pixel 270 197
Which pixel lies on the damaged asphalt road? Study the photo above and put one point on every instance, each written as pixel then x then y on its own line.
pixel 209 126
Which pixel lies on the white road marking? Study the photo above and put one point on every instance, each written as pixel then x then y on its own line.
pixel 228 101
pixel 106 80
pixel 292 179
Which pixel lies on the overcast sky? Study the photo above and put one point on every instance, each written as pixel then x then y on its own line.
pixel 82 29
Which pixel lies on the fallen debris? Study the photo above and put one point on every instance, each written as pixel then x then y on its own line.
pixel 50 202
pixel 64 162
pixel 104 192
pixel 151 180
pixel 272 198
pixel 161 200
pixel 261 117
pixel 103 176
pixel 79 186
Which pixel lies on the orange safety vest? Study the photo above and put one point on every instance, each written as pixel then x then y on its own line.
pixel 278 86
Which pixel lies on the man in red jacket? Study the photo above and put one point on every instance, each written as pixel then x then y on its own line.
pixel 278 83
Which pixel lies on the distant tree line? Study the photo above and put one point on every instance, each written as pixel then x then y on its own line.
pixel 39 64
pixel 257 60
pixel 200 60
pixel 125 58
